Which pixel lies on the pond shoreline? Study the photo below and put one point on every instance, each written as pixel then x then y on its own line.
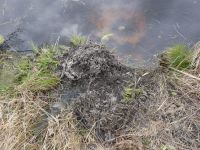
pixel 82 97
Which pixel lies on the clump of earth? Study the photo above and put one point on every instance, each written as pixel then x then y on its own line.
pixel 93 81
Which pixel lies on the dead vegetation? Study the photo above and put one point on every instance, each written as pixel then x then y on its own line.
pixel 112 107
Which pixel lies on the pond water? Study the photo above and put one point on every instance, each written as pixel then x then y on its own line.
pixel 139 28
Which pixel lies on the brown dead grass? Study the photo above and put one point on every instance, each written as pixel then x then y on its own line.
pixel 176 122
pixel 26 123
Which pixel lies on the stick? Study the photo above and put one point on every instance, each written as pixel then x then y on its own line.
pixel 185 73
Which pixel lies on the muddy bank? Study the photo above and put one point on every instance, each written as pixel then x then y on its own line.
pixel 122 106
pixel 101 104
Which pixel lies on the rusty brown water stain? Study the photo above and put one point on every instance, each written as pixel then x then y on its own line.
pixel 109 17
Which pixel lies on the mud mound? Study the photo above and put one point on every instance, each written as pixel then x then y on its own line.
pixel 92 61
pixel 99 80
pixel 93 67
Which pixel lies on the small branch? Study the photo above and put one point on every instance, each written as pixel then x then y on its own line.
pixel 185 73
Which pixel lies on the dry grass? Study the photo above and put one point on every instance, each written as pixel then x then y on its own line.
pixel 196 58
pixel 174 115
pixel 26 123
pixel 18 123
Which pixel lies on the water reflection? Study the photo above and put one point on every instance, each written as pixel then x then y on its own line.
pixel 140 28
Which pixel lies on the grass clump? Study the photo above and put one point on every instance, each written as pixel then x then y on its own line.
pixel 8 72
pixel 38 75
pixel 130 93
pixel 46 59
pixel 77 40
pixel 179 57
pixel 2 40
pixel 27 125
pixel 30 74
pixel 39 81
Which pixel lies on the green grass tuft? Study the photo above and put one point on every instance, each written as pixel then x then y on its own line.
pixel 39 81
pixel 179 56
pixel 46 59
pixel 39 75
pixel 77 40
pixel 128 94
pixel 30 74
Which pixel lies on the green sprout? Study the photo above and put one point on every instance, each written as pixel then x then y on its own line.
pixel 77 40
pixel 128 94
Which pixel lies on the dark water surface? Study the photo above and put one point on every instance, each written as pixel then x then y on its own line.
pixel 139 28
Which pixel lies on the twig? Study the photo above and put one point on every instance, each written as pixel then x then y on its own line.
pixel 161 105
pixel 185 73
pixel 176 28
